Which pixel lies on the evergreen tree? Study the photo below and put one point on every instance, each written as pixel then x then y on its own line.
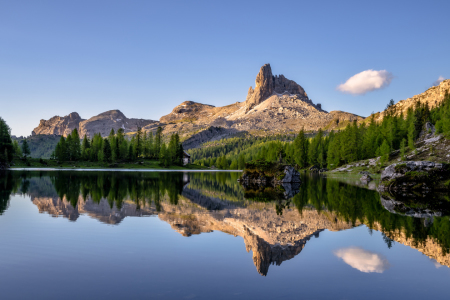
pixel 17 151
pixel 164 157
pixel 75 148
pixel 138 142
pixel 25 148
pixel 385 151
pixel 411 134
pixel 61 151
pixel 158 142
pixel 301 149
pixel 150 145
pixel 6 145
pixel 106 149
pixel 69 147
pixel 85 145
pixel 403 149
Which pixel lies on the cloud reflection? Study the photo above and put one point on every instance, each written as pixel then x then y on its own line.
pixel 363 260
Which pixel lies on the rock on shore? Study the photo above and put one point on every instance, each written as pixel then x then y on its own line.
pixel 415 175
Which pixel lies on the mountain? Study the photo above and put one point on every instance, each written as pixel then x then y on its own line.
pixel 58 125
pixel 276 104
pixel 102 123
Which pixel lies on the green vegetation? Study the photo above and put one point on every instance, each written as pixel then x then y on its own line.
pixel 41 146
pixel 6 145
pixel 117 149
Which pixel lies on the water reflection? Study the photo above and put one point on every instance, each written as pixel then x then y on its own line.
pixel 363 260
pixel 194 203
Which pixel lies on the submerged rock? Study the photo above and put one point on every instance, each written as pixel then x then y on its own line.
pixel 366 178
pixel 415 175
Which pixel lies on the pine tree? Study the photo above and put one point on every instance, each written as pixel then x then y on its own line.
pixel 150 145
pixel 6 144
pixel 25 148
pixel 138 142
pixel 106 149
pixel 163 155
pixel 75 148
pixel 158 142
pixel 60 151
pixel 69 147
pixel 85 145
pixel 385 151
pixel 412 134
pixel 403 149
pixel 241 162
pixel 17 151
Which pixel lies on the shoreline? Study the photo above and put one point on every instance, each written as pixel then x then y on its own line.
pixel 119 170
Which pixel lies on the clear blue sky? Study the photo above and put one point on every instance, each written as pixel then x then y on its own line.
pixel 145 57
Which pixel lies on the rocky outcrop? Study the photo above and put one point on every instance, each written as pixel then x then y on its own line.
pixel 269 181
pixel 188 111
pixel 415 175
pixel 59 125
pixel 266 85
pixel 113 119
pixel 212 133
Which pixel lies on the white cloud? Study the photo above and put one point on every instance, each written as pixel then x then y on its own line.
pixel 366 81
pixel 440 79
pixel 363 260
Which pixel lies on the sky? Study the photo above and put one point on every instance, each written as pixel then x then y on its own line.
pixel 146 57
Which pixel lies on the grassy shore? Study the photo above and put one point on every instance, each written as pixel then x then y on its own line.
pixel 139 164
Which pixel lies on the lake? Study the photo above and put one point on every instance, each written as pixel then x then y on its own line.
pixel 200 235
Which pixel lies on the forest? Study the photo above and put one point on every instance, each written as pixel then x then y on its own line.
pixel 117 148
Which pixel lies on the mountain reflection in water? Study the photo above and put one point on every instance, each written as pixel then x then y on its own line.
pixel 194 203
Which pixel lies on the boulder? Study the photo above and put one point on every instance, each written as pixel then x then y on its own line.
pixel 415 175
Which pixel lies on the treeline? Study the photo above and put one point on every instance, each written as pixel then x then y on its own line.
pixel 356 142
pixel 9 148
pixel 232 153
pixel 117 148
pixel 6 145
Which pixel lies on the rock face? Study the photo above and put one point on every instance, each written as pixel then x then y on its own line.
pixel 415 175
pixel 113 119
pixel 102 123
pixel 59 125
pixel 266 84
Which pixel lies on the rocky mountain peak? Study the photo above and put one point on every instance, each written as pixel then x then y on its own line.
pixel 266 85
pixel 58 125
pixel 115 113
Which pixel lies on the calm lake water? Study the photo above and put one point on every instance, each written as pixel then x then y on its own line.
pixel 153 235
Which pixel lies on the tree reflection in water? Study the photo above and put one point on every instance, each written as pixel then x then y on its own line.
pixel 215 197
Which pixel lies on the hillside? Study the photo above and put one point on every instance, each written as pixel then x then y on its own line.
pixel 433 97
pixel 42 145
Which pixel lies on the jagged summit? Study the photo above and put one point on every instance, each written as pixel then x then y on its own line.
pixel 275 105
pixel 267 85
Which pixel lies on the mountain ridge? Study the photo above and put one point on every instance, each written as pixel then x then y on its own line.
pixel 276 105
